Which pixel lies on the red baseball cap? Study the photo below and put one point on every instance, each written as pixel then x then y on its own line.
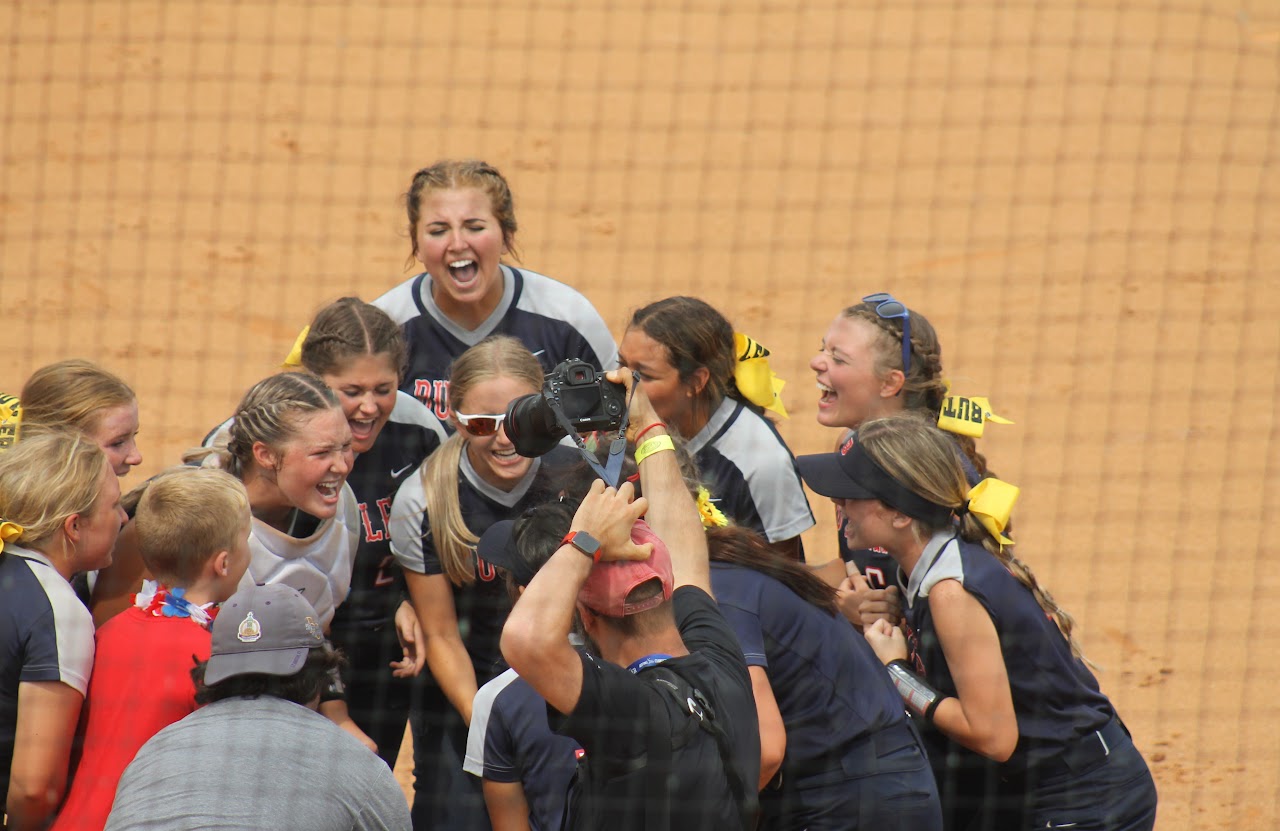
pixel 608 585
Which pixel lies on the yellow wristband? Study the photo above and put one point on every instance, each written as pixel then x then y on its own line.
pixel 657 444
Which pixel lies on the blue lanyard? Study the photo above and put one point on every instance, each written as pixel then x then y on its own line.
pixel 647 661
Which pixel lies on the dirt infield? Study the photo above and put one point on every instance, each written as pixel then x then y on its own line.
pixel 1082 199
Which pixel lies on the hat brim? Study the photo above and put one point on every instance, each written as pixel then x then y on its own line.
pixel 825 476
pixel 497 547
pixel 261 662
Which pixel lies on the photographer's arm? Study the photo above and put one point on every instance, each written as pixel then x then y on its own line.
pixel 673 514
pixel 535 639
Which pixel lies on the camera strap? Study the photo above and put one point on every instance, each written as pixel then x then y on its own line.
pixel 612 467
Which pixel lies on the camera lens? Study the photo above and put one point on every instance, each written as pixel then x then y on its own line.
pixel 531 426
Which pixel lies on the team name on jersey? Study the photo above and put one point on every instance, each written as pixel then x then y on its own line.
pixel 384 516
pixel 434 393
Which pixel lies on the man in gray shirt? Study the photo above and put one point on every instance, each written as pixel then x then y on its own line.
pixel 258 755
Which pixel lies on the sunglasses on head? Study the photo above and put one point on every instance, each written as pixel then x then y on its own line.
pixel 480 425
pixel 890 308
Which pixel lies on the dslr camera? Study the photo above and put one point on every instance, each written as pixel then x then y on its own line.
pixel 574 395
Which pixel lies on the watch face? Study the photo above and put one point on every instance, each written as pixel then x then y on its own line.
pixel 584 542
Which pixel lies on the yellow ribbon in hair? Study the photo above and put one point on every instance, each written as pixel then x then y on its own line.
pixel 755 379
pixel 712 517
pixel 294 359
pixel 10 420
pixel 967 415
pixel 9 531
pixel 991 503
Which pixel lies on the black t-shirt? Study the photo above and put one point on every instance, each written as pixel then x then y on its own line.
pixel 611 722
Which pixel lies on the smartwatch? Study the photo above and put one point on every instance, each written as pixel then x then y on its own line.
pixel 584 542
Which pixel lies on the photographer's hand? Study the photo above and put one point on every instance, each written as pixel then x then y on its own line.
pixel 608 515
pixel 640 410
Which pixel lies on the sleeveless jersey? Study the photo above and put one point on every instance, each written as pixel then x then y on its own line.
pixel 1055 696
pixel 553 320
pixel 876 565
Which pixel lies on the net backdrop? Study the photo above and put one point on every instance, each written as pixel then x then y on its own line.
pixel 1083 197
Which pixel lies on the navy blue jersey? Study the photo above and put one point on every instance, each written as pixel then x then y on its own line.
pixel 875 563
pixel 46 634
pixel 750 473
pixel 1055 696
pixel 830 687
pixel 483 605
pixel 511 741
pixel 411 435
pixel 553 320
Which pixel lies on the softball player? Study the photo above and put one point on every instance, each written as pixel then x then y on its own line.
pixel 474 480
pixel 686 356
pixel 290 444
pixel 81 395
pixel 462 221
pixel 837 749
pixel 358 351
pixel 1019 734
pixel 879 358
pixel 59 514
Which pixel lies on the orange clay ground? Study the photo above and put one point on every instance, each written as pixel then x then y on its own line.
pixel 1083 200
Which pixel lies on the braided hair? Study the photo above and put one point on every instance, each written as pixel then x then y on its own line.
pixel 923 388
pixel 350 328
pixel 451 174
pixel 268 413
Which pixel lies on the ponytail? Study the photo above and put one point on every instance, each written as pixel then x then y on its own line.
pixel 453 540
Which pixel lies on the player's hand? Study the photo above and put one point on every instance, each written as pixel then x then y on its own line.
pixel 863 605
pixel 608 514
pixel 640 411
pixel 336 711
pixel 887 641
pixel 409 631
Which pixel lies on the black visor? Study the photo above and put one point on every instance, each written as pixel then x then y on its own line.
pixel 852 474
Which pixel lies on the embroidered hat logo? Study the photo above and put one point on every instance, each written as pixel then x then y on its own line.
pixel 249 630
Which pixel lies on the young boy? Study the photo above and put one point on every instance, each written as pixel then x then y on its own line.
pixel 192 527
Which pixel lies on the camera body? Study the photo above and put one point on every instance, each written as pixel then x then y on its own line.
pixel 575 389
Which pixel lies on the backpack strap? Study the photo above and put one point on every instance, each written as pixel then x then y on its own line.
pixel 704 715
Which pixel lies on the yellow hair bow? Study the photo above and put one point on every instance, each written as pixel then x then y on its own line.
pixel 712 517
pixel 9 531
pixel 754 378
pixel 294 358
pixel 967 415
pixel 991 503
pixel 10 420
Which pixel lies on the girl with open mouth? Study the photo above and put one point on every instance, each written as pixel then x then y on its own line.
pixel 461 224
pixel 474 480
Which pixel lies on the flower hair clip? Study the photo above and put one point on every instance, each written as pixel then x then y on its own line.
pixel 712 517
